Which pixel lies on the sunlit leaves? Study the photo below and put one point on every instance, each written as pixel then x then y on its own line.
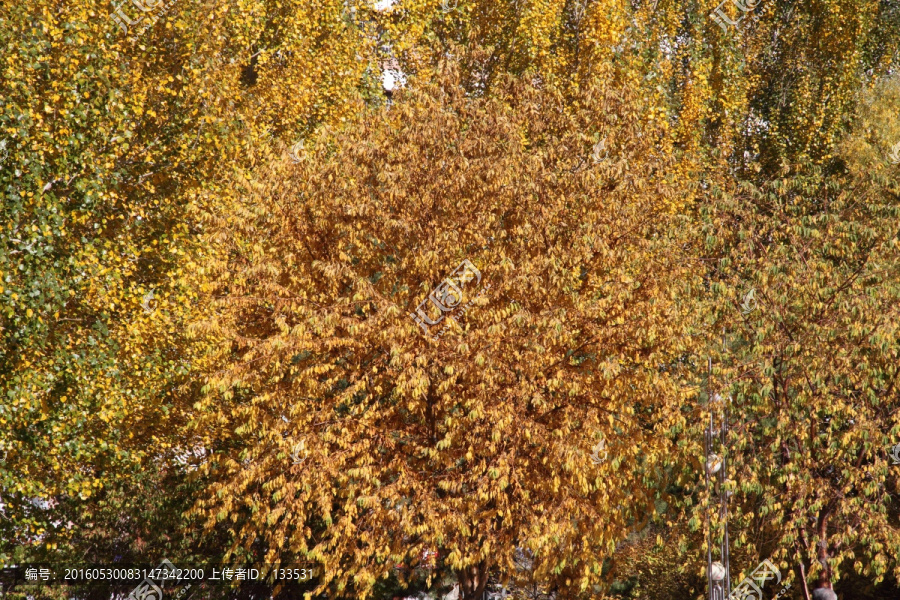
pixel 482 437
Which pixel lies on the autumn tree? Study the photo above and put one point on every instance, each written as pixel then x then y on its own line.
pixel 109 126
pixel 113 143
pixel 353 436
pixel 807 286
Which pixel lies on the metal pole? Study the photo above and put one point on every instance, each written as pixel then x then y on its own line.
pixel 725 544
pixel 718 590
pixel 726 554
pixel 707 443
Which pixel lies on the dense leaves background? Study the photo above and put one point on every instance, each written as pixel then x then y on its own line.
pixel 171 278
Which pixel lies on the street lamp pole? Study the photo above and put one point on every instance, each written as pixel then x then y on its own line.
pixel 718 572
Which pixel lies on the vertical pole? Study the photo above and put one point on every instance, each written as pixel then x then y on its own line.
pixel 718 590
pixel 707 443
pixel 726 558
pixel 725 544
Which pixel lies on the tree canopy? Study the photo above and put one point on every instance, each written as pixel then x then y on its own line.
pixel 474 315
pixel 478 442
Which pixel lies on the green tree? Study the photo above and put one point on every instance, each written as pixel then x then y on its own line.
pixel 810 365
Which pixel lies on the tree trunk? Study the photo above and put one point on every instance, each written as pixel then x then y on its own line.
pixel 472 581
pixel 822 553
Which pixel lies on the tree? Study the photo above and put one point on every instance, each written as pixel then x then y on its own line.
pixel 108 131
pixel 478 442
pixel 810 364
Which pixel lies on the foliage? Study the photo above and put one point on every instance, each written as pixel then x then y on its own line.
pixel 811 373
pixel 154 162
pixel 107 136
pixel 652 567
pixel 477 443
pixel 92 150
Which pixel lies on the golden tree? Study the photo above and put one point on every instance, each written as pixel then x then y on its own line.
pixel 524 405
pixel 112 119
